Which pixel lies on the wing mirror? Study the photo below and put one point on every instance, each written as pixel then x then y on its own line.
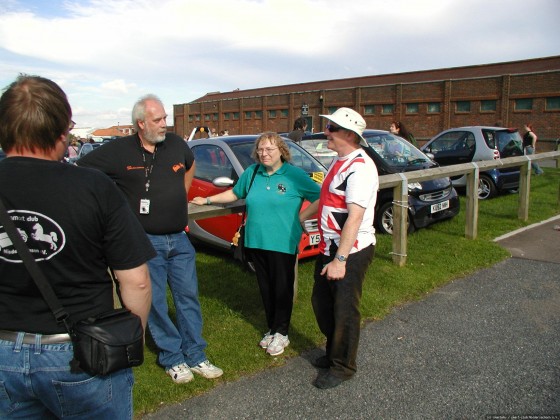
pixel 223 181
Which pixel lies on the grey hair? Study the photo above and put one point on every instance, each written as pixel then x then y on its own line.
pixel 139 108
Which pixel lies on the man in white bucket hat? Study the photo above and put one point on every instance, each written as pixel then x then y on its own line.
pixel 346 209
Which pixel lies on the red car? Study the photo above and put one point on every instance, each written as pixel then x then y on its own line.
pixel 219 163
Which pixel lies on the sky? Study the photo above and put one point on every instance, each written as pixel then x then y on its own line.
pixel 106 54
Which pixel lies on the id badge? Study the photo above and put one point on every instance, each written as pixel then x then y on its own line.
pixel 144 206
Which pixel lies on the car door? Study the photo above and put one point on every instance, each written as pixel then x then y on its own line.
pixel 212 162
pixel 452 147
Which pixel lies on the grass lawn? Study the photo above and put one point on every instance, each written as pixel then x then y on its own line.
pixel 232 310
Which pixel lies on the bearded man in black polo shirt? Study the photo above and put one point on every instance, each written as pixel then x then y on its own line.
pixel 154 169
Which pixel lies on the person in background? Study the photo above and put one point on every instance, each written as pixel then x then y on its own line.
pixel 76 238
pixel 300 125
pixel 73 150
pixel 529 146
pixel 399 129
pixel 273 205
pixel 154 169
pixel 346 210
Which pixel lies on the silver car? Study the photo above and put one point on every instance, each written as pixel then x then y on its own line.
pixel 477 143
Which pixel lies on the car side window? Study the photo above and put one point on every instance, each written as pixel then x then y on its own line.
pixel 447 142
pixel 211 163
pixel 490 138
pixel 468 142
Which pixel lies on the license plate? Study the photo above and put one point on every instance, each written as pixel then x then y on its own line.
pixel 314 239
pixel 439 206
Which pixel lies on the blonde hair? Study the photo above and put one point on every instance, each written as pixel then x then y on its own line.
pixel 275 139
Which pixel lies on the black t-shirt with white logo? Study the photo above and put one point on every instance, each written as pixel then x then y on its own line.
pixel 76 223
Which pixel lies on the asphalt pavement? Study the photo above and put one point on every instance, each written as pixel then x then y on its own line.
pixel 484 346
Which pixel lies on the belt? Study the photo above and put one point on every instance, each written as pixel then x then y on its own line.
pixel 30 338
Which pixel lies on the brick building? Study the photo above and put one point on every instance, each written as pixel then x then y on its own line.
pixel 427 102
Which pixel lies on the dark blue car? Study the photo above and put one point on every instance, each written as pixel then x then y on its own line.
pixel 428 201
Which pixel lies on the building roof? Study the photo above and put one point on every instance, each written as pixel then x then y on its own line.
pixel 114 131
pixel 476 71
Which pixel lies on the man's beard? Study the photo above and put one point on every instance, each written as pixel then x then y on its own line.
pixel 153 137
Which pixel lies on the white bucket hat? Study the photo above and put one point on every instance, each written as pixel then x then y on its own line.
pixel 349 119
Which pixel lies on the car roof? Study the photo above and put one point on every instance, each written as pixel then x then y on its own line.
pixel 366 131
pixel 238 138
pixel 483 127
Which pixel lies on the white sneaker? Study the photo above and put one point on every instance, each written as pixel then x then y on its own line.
pixel 278 344
pixel 181 374
pixel 208 370
pixel 266 340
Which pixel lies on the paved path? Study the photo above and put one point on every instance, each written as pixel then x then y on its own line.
pixel 484 345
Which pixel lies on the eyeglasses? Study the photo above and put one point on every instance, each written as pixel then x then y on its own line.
pixel 333 128
pixel 268 150
pixel 71 125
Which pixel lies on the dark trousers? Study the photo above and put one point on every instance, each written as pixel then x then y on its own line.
pixel 337 309
pixel 275 276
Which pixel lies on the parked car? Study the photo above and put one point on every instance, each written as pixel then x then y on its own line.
pixel 428 201
pixel 476 143
pixel 220 161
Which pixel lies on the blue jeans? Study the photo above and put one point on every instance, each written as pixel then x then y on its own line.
pixel 530 151
pixel 175 264
pixel 36 383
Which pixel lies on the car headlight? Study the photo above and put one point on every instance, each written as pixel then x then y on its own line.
pixel 414 186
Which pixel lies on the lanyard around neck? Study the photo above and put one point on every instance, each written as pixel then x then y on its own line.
pixel 148 169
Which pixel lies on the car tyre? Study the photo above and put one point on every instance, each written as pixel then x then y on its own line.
pixel 384 217
pixel 486 187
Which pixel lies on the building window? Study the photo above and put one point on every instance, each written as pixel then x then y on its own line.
pixel 226 115
pixel 215 117
pixel 412 108
pixel 248 115
pixel 332 109
pixel 553 104
pixel 434 108
pixel 272 113
pixel 488 106
pixel 463 106
pixel 197 117
pixel 369 109
pixel 236 115
pixel 284 113
pixel 387 109
pixel 191 118
pixel 258 115
pixel 523 104
pixel 206 117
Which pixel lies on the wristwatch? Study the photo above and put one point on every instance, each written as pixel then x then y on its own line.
pixel 341 258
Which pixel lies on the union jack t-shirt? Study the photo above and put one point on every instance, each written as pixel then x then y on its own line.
pixel 350 179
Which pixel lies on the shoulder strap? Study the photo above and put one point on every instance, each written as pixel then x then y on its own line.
pixel 253 177
pixel 45 288
pixel 249 189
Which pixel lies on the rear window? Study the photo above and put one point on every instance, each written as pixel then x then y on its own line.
pixel 508 142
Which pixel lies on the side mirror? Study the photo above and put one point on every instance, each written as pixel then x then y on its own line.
pixel 223 181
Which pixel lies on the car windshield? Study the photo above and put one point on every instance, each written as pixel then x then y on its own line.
pixel 299 158
pixel 317 147
pixel 396 152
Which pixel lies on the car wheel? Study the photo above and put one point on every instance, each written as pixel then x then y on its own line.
pixel 486 187
pixel 384 219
